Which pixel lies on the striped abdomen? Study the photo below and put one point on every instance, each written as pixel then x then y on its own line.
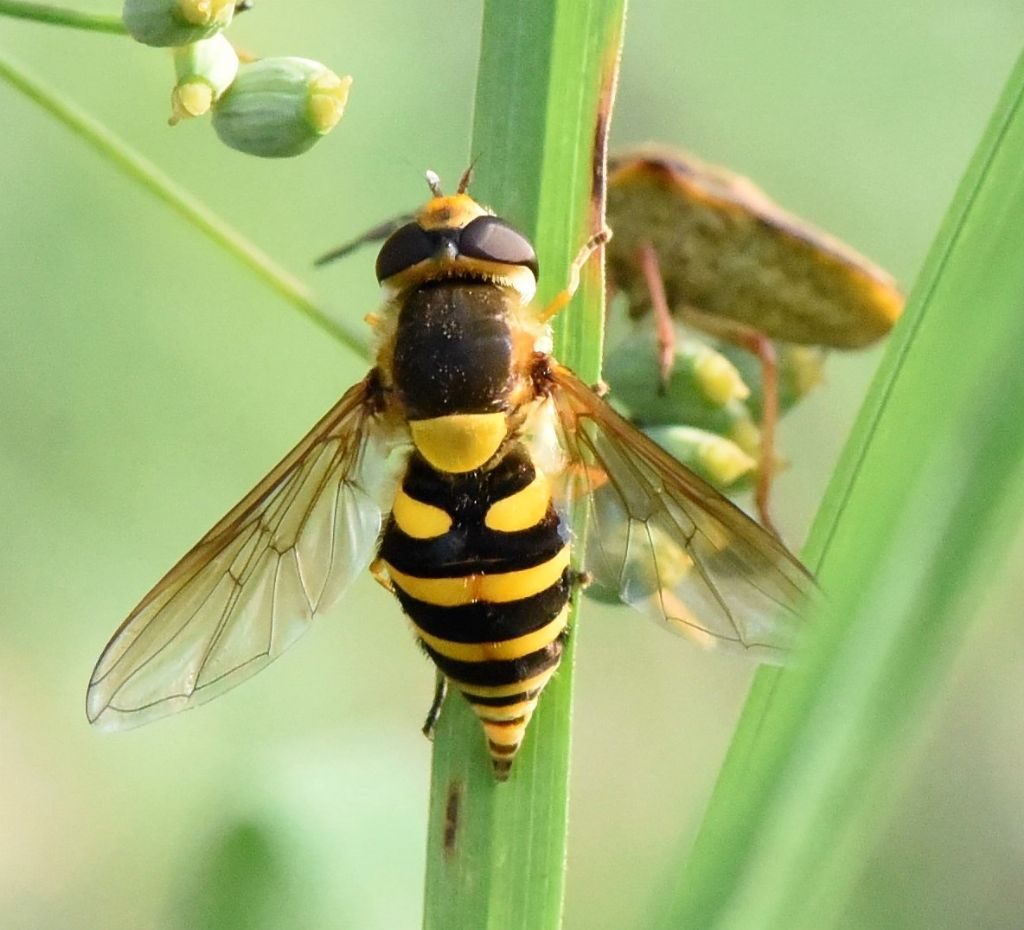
pixel 480 563
pixel 476 553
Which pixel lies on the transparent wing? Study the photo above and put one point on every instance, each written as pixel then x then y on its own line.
pixel 251 586
pixel 667 543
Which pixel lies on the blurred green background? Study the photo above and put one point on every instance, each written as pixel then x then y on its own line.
pixel 147 382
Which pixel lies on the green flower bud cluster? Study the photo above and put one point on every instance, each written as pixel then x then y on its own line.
pixel 271 107
pixel 707 413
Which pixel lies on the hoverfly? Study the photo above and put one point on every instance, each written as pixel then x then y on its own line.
pixel 447 471
pixel 696 242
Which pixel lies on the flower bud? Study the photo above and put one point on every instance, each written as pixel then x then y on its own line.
pixel 801 369
pixel 701 384
pixel 279 107
pixel 175 22
pixel 743 431
pixel 714 458
pixel 205 71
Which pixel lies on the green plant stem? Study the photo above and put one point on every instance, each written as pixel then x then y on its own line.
pixel 145 173
pixel 496 851
pixel 927 490
pixel 61 16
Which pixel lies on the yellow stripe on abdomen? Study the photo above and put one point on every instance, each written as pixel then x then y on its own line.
pixel 533 684
pixel 417 519
pixel 502 650
pixel 522 510
pixel 499 588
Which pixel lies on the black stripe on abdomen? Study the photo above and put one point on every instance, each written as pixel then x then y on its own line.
pixel 486 622
pixel 473 549
pixel 501 672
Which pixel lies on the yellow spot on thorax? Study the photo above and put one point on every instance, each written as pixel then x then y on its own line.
pixel 459 442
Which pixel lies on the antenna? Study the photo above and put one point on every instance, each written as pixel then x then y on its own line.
pixel 467 175
pixel 377 234
pixel 434 183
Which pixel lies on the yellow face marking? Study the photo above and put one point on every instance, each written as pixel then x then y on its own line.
pixel 503 650
pixel 522 510
pixel 419 520
pixel 494 589
pixel 520 279
pixel 452 212
pixel 460 442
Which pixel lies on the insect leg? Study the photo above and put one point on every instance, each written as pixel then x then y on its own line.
pixel 562 298
pixel 440 690
pixel 662 313
pixel 759 345
pixel 764 349
pixel 582 579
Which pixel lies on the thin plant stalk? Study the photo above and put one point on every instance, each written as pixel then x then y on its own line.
pixel 135 166
pixel 62 16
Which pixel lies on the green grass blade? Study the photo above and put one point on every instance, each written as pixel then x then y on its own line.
pixel 149 176
pixel 928 487
pixel 62 16
pixel 496 852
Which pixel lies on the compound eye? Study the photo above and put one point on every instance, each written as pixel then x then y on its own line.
pixel 407 246
pixel 489 238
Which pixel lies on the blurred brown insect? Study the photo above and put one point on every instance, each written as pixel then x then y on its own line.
pixel 700 243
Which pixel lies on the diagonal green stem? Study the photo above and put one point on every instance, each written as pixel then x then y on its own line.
pixel 61 16
pixel 149 176
pixel 928 487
